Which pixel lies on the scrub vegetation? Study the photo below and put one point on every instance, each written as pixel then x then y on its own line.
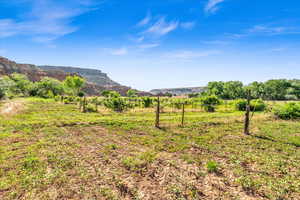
pixel 63 145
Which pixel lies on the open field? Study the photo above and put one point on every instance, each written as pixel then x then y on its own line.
pixel 49 150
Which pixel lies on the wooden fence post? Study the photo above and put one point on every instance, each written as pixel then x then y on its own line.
pixel 84 105
pixel 80 104
pixel 157 113
pixel 182 115
pixel 247 115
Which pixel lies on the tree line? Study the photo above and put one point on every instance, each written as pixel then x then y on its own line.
pixel 18 85
pixel 280 89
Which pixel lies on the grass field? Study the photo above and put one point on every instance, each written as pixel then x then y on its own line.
pixel 50 150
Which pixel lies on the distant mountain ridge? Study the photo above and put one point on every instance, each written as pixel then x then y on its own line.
pixel 178 91
pixel 97 80
pixel 91 75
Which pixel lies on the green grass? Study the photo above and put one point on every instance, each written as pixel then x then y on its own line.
pixel 53 151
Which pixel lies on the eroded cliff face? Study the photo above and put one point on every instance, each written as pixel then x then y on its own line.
pixel 94 76
pixel 94 85
pixel 31 71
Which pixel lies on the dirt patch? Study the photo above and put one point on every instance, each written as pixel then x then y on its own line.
pixel 12 107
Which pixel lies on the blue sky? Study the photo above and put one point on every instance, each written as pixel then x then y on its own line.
pixel 157 43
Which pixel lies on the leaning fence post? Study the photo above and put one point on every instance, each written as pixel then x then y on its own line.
pixel 247 115
pixel 157 113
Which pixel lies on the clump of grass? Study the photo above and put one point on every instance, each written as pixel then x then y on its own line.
pixel 112 147
pixel 139 161
pixel 248 184
pixel 212 166
pixel 108 193
pixel 31 163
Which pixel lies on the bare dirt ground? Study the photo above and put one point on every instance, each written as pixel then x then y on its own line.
pixel 10 108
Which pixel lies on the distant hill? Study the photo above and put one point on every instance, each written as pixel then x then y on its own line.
pixel 179 91
pixel 97 80
pixel 92 75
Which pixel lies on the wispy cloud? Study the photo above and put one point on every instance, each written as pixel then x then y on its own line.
pixel 270 30
pixel 216 42
pixel 46 21
pixel 189 55
pixel 146 20
pixel 188 25
pixel 162 27
pixel 212 6
pixel 120 52
pixel 266 30
pixel 148 46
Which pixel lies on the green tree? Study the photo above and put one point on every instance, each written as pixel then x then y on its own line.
pixel 276 89
pixel 233 90
pixel 6 85
pixel 131 93
pixel 21 84
pixel 74 84
pixel 216 88
pixel 257 90
pixel 110 94
pixel 49 88
pixel 209 103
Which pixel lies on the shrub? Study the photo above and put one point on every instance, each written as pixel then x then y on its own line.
pixel 240 105
pixel 70 100
pixel 209 103
pixel 178 103
pixel 255 105
pixel 48 88
pixel 147 102
pixel 258 105
pixel 117 104
pixel 288 111
pixel 90 108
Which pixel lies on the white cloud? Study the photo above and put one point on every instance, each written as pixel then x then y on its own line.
pixel 46 21
pixel 162 27
pixel 216 42
pixel 265 30
pixel 120 52
pixel 148 46
pixel 268 29
pixel 187 25
pixel 212 6
pixel 145 21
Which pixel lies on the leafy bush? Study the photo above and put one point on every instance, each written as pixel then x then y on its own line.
pixel 117 104
pixel 240 104
pixel 110 94
pixel 288 111
pixel 70 100
pixel 90 108
pixel 48 88
pixel 258 105
pixel 147 102
pixel 209 103
pixel 178 103
pixel 255 105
